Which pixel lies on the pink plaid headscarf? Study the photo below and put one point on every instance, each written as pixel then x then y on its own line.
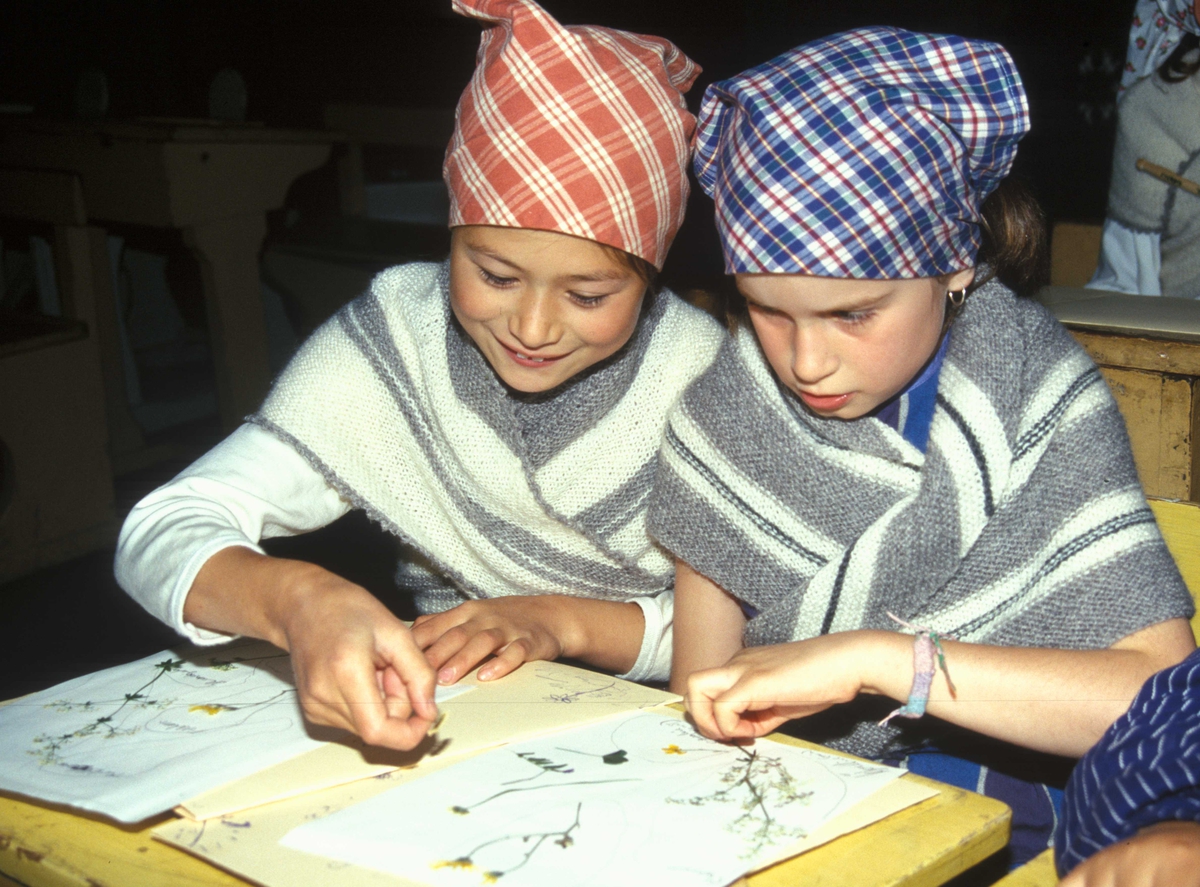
pixel 582 130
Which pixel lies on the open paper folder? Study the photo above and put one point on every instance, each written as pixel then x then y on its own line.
pixel 213 730
pixel 170 730
pixel 537 698
pixel 665 808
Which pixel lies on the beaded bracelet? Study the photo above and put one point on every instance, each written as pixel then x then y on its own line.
pixel 927 645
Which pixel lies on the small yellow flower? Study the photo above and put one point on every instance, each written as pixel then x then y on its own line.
pixel 209 709
pixel 491 877
pixel 674 750
pixel 461 863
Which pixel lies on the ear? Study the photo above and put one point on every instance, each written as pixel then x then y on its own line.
pixel 958 280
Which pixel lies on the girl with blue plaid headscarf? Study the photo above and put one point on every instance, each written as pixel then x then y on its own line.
pixel 895 437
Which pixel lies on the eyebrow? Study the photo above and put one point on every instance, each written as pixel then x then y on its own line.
pixel 599 276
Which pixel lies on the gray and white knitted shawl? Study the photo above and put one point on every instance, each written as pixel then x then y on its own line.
pixel 1023 523
pixel 399 411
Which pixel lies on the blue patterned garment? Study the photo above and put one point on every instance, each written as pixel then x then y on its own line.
pixel 865 155
pixel 911 411
pixel 1146 769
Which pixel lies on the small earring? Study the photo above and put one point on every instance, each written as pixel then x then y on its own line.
pixel 957 298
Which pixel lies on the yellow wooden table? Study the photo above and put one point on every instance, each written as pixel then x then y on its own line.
pixel 922 846
pixel 1038 872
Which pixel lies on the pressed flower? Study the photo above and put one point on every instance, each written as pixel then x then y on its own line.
pixel 463 862
pixel 209 709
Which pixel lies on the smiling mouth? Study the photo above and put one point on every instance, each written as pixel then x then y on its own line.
pixel 528 360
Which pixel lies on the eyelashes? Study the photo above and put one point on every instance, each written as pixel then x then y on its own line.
pixel 846 318
pixel 495 280
pixel 587 301
pixel 854 318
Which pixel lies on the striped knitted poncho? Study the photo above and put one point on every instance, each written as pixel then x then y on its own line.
pixel 399 411
pixel 1023 522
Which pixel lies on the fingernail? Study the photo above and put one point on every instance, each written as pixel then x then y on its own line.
pixel 446 676
pixel 485 674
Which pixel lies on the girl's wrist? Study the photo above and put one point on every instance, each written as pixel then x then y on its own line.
pixel 297 587
pixel 887 663
pixel 592 631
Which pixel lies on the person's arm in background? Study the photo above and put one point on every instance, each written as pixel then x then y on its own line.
pixel 188 553
pixel 1166 854
pixel 1131 809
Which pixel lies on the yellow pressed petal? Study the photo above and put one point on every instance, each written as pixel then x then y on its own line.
pixel 209 709
pixel 461 863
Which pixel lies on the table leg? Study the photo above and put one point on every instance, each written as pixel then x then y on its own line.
pixel 227 251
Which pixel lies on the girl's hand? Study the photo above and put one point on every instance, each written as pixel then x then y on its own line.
pixel 513 629
pixel 522 628
pixel 762 687
pixel 1166 854
pixel 356 665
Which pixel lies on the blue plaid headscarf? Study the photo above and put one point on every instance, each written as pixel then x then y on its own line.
pixel 866 154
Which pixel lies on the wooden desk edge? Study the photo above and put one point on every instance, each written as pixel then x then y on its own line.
pixel 45 847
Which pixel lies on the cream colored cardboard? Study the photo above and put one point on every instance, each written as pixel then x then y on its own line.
pixel 538 697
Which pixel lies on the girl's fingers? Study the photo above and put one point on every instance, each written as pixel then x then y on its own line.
pixel 428 629
pixel 326 708
pixel 702 714
pixel 445 648
pixel 478 648
pixel 727 713
pixel 407 666
pixel 702 689
pixel 507 661
pixel 374 722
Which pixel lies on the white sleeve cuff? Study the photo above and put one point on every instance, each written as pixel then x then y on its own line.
pixel 654 659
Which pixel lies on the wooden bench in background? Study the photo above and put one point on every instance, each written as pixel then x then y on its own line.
pixel 1148 349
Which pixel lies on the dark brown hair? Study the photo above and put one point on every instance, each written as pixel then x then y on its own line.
pixel 1176 69
pixel 639 266
pixel 1014 239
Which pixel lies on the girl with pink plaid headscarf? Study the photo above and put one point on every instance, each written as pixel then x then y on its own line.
pixel 499 414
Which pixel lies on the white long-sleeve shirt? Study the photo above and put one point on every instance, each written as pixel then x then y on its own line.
pixel 253 486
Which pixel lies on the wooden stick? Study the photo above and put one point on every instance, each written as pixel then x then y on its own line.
pixel 1165 175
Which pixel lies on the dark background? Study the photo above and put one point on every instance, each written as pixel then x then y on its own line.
pixel 297 55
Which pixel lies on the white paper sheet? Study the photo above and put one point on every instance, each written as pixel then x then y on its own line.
pixel 642 799
pixel 135 740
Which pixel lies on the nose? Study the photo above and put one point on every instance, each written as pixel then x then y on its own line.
pixel 534 321
pixel 812 357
